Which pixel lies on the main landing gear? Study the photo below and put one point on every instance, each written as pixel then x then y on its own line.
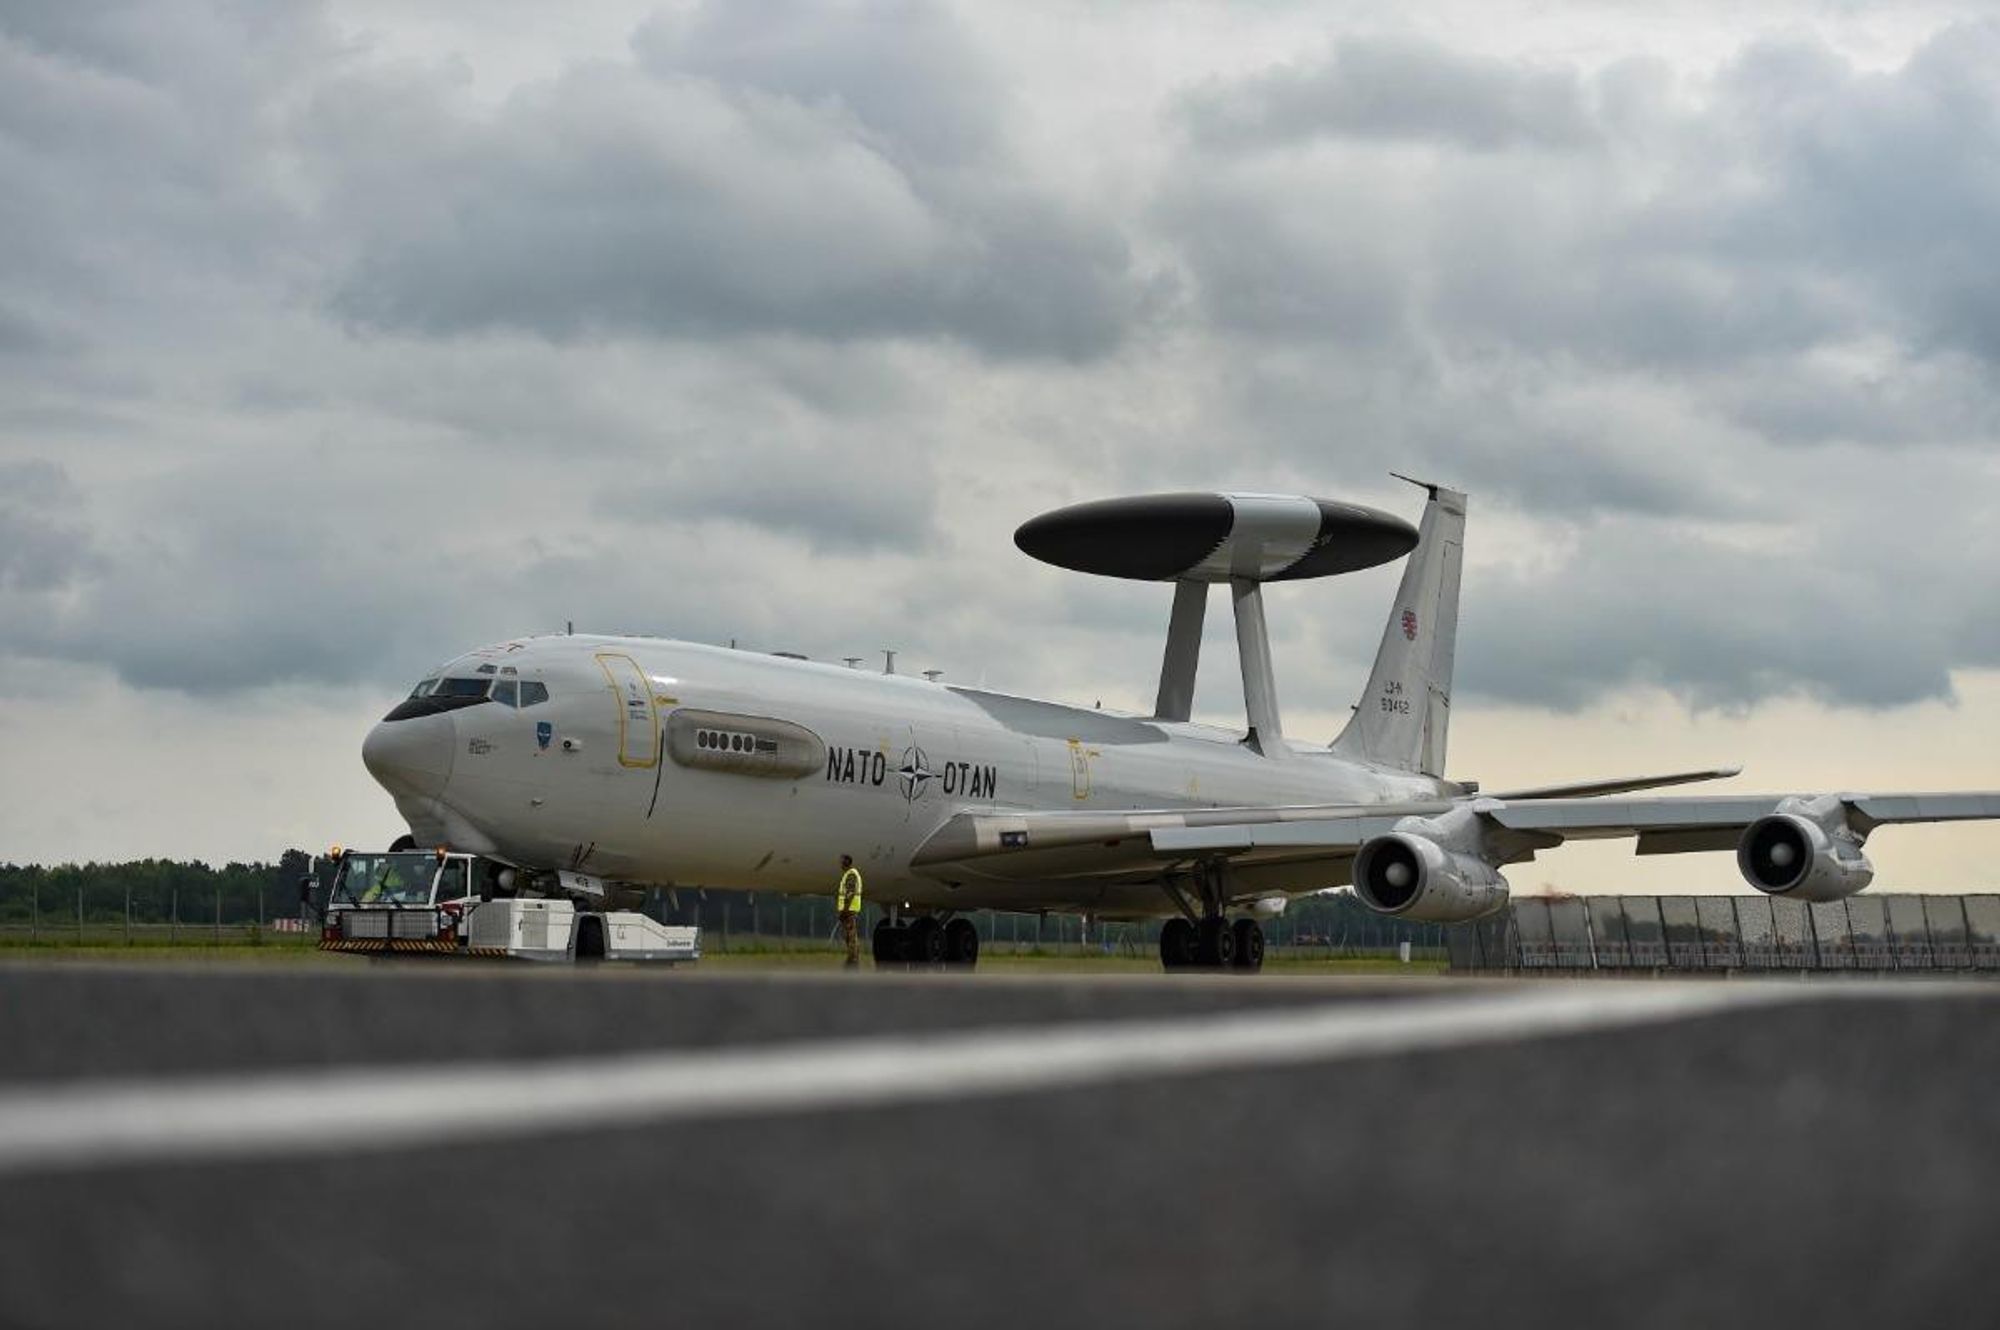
pixel 926 940
pixel 1214 943
pixel 1202 937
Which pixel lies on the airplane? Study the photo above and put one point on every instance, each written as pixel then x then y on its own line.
pixel 596 766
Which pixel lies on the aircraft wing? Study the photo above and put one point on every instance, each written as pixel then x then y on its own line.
pixel 1049 846
pixel 1662 825
pixel 1133 846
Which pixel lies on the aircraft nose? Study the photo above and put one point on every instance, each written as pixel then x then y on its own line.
pixel 411 756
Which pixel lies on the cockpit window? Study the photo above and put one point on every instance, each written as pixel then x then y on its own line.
pixel 424 689
pixel 504 693
pixel 531 693
pixel 487 669
pixel 462 687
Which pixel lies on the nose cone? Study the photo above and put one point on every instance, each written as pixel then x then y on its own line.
pixel 411 758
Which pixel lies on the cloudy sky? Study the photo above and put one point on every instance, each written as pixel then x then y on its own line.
pixel 336 338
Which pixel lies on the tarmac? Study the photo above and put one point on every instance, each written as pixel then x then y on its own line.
pixel 1292 1151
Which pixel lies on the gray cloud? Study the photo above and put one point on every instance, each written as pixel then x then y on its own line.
pixel 907 71
pixel 1721 625
pixel 832 495
pixel 1795 202
pixel 42 548
pixel 730 182
pixel 772 323
pixel 1396 88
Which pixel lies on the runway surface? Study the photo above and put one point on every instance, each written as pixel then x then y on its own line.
pixel 496 1147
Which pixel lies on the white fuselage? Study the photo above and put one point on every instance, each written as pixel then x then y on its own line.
pixel 588 780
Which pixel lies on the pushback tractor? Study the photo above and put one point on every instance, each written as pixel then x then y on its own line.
pixel 442 903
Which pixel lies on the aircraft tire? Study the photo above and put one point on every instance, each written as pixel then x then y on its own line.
pixel 1177 944
pixel 926 941
pixel 961 943
pixel 1249 945
pixel 1214 944
pixel 886 943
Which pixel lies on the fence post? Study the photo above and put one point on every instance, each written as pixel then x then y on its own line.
pixel 128 914
pixel 174 922
pixel 218 912
pixel 79 913
pixel 784 923
pixel 34 911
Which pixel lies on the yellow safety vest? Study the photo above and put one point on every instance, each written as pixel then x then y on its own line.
pixel 847 896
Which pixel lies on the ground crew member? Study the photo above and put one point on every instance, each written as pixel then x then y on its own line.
pixel 847 904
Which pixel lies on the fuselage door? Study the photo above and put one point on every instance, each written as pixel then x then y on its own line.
pixel 638 720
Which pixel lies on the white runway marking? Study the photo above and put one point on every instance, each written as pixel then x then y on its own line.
pixel 342 1110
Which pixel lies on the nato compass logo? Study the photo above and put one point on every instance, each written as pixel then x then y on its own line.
pixel 915 774
pixel 1410 624
pixel 544 731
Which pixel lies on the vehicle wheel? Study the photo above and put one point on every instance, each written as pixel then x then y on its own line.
pixel 961 943
pixel 1249 945
pixel 1215 944
pixel 885 944
pixel 1177 944
pixel 926 944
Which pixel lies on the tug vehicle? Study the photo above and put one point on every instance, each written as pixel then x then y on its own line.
pixel 440 902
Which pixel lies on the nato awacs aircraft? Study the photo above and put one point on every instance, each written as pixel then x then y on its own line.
pixel 597 765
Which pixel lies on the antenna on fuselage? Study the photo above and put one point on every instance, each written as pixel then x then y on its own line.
pixel 1194 540
pixel 853 662
pixel 888 660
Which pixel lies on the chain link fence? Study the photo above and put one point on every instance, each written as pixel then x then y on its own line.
pixel 1887 932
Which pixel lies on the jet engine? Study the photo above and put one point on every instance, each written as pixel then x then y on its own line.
pixel 1414 872
pixel 1804 851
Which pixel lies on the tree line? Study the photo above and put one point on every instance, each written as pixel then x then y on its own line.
pixel 157 891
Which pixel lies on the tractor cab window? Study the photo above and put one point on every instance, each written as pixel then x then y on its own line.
pixel 451 882
pixel 403 878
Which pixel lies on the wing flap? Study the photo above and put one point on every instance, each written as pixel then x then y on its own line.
pixel 1617 784
pixel 1330 836
pixel 1884 809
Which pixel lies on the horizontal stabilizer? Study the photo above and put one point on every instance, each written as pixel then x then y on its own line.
pixel 1618 784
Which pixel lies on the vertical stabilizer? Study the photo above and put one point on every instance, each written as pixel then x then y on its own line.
pixel 1405 714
